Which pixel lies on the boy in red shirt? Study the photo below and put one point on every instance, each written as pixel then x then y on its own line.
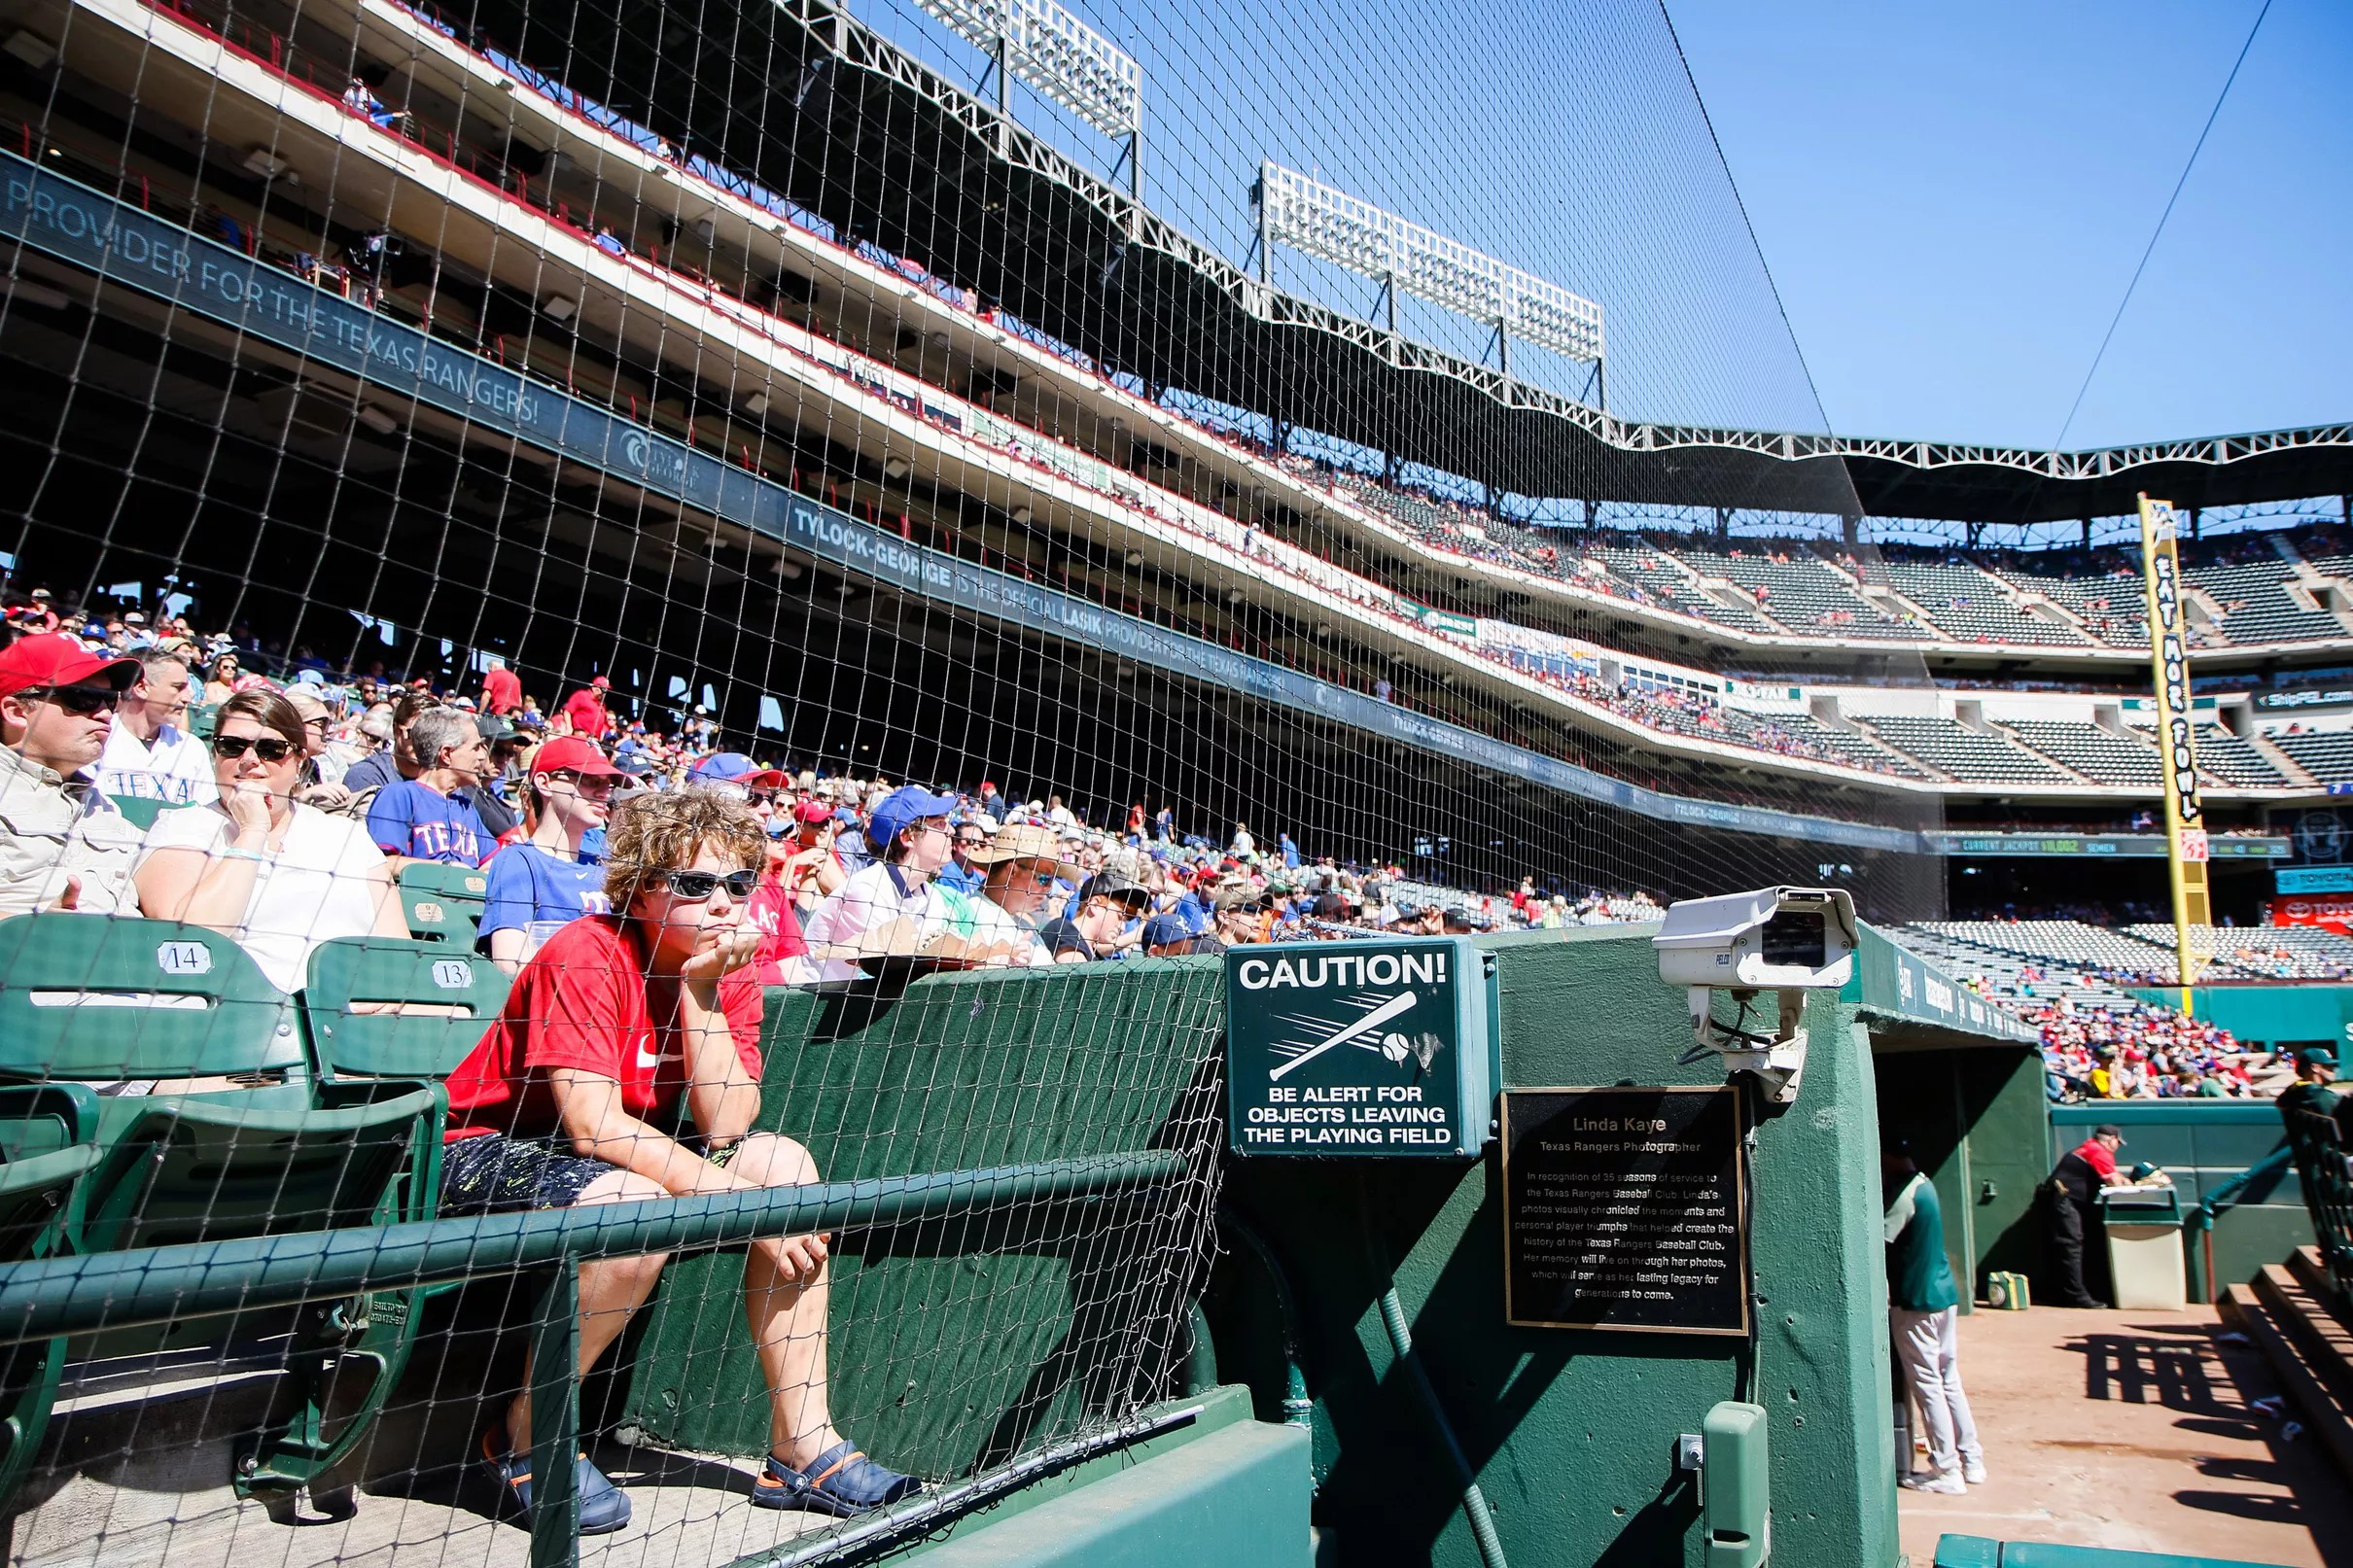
pixel 614 1025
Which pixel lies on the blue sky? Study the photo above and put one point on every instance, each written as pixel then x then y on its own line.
pixel 1951 199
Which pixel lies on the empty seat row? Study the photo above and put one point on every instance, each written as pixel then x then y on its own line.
pixel 2095 753
pixel 2327 756
pixel 1974 756
pixel 2258 606
pixel 1970 604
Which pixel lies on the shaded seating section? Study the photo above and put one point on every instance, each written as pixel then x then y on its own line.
pixel 2096 753
pixel 1973 756
pixel 444 903
pixel 1970 604
pixel 1962 947
pixel 2258 606
pixel 2065 942
pixel 234 1136
pixel 2327 757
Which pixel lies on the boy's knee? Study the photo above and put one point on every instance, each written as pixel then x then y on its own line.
pixel 775 1160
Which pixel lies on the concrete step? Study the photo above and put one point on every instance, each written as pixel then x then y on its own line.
pixel 2306 1316
pixel 2313 1274
pixel 2325 1420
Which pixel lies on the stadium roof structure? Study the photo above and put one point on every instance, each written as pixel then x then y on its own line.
pixel 858 132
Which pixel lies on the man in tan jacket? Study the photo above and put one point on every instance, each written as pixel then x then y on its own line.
pixel 63 842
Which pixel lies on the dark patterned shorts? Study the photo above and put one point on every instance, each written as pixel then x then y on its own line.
pixel 492 1173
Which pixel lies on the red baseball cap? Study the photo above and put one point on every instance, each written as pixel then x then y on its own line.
pixel 601 682
pixel 59 659
pixel 571 753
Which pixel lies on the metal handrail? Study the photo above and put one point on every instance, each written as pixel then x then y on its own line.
pixel 49 1297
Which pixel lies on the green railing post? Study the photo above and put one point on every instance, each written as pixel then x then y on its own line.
pixel 555 1421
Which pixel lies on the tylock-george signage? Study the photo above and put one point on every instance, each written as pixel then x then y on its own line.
pixel 1382 1048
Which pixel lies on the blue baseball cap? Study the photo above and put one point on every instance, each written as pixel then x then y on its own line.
pixel 901 808
pixel 733 767
pixel 1166 931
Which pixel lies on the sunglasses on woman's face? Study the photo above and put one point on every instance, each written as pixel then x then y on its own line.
pixel 696 885
pixel 232 747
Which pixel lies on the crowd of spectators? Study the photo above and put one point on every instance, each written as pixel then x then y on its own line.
pixel 2138 1051
pixel 287 820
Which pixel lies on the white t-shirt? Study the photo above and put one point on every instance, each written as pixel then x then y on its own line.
pixel 993 924
pixel 872 898
pixel 320 886
pixel 175 767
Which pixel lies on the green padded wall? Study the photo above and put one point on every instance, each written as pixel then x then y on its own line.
pixel 1572 1432
pixel 961 1340
pixel 2203 1143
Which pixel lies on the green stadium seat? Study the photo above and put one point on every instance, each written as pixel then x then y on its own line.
pixel 139 811
pixel 96 999
pixel 203 719
pixel 354 973
pixel 453 883
pixel 444 903
pixel 49 1143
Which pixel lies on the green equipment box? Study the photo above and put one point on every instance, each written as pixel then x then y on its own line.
pixel 1385 1047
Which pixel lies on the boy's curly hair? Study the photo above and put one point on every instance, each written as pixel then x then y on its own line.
pixel 665 830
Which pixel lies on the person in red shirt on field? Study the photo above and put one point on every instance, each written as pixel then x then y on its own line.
pixel 584 710
pixel 573 1097
pixel 2071 1218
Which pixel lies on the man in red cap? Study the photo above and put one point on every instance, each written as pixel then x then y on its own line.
pixel 584 710
pixel 541 885
pixel 63 842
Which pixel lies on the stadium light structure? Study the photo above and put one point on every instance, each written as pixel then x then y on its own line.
pixel 1059 57
pixel 1317 220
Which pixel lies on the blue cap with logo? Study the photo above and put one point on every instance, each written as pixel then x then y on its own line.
pixel 901 808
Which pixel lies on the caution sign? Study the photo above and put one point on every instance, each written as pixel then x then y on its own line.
pixel 1382 1048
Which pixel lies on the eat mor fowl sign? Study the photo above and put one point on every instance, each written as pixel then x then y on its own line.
pixel 1380 1048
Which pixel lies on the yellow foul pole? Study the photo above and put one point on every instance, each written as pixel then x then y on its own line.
pixel 2176 730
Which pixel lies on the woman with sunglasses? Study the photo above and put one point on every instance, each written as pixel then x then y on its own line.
pixel 221 680
pixel 258 865
pixel 575 1095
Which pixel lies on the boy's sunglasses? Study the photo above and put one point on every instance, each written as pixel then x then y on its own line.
pixel 231 747
pixel 696 885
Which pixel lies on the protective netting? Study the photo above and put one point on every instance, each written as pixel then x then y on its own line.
pixel 547 462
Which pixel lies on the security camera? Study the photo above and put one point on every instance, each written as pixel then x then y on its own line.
pixel 1785 940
